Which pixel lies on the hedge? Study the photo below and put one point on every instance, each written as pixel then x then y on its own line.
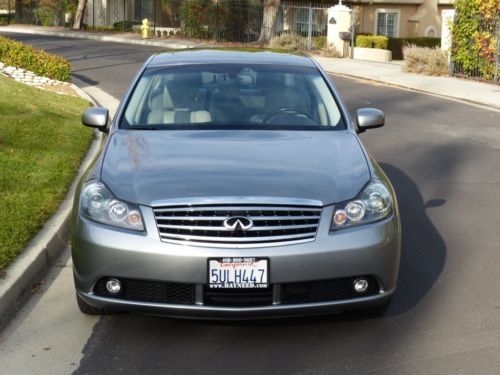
pixel 372 41
pixel 14 53
pixel 126 26
pixel 396 45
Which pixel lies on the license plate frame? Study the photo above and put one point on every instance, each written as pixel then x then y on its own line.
pixel 259 279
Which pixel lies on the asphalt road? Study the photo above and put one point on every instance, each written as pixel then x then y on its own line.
pixel 443 158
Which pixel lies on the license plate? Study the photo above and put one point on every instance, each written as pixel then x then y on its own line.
pixel 234 273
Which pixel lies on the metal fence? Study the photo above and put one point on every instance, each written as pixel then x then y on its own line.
pixel 305 19
pixel 482 60
pixel 235 20
pixel 220 20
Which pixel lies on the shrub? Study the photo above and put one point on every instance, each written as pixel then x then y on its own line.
pixel 289 41
pixel 319 42
pixel 396 44
pixel 125 25
pixel 380 41
pixel 46 16
pixel 198 17
pixel 99 28
pixel 474 36
pixel 372 41
pixel 24 56
pixel 329 51
pixel 363 41
pixel 430 61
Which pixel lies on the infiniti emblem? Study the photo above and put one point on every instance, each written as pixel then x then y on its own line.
pixel 236 223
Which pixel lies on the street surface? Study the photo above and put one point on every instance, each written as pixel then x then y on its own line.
pixel 442 156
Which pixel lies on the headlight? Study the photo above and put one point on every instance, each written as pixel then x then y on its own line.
pixel 98 204
pixel 373 204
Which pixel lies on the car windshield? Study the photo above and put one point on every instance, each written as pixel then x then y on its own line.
pixel 255 96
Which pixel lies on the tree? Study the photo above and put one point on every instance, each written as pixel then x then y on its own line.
pixel 271 8
pixel 79 14
pixel 19 11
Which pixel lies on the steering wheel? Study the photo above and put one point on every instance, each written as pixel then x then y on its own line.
pixel 286 111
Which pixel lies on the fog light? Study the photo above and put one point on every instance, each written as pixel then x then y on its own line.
pixel 113 286
pixel 360 285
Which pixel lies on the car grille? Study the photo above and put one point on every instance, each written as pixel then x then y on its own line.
pixel 238 297
pixel 150 291
pixel 324 291
pixel 184 294
pixel 272 225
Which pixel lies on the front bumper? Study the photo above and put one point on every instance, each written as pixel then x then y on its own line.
pixel 100 251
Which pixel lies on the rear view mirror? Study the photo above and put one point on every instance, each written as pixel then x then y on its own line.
pixel 96 117
pixel 369 118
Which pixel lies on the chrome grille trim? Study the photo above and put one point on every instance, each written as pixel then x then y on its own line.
pixel 236 200
pixel 194 227
pixel 273 225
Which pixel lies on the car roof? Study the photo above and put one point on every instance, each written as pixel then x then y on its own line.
pixel 215 56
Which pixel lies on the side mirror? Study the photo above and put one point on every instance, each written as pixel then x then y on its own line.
pixel 96 117
pixel 369 118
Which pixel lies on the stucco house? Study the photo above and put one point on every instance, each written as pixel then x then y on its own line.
pixel 399 18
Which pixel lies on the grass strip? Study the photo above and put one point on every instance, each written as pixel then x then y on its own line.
pixel 42 144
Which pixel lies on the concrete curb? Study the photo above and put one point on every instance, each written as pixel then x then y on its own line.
pixel 42 251
pixel 102 38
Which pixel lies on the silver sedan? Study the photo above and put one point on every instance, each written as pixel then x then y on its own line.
pixel 233 184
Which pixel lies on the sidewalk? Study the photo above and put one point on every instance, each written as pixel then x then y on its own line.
pixel 388 73
pixel 391 73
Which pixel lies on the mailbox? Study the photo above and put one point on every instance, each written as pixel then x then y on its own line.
pixel 345 35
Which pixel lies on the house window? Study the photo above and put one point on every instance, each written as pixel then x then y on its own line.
pixel 387 23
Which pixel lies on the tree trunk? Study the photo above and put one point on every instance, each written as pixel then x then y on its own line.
pixel 269 17
pixel 79 14
pixel 19 11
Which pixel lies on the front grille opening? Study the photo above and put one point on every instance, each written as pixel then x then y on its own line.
pixel 325 290
pixel 205 224
pixel 237 297
pixel 149 291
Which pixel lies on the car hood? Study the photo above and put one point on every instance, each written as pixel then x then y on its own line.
pixel 146 166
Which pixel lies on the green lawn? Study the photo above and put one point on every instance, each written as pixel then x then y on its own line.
pixel 42 143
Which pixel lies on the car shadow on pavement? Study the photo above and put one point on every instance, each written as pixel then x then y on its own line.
pixel 423 249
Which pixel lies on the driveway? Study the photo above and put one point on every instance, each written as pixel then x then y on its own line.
pixel 443 157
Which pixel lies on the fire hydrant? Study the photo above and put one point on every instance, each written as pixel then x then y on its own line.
pixel 145 28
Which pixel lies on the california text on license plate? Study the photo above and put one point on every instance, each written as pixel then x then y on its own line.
pixel 238 273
